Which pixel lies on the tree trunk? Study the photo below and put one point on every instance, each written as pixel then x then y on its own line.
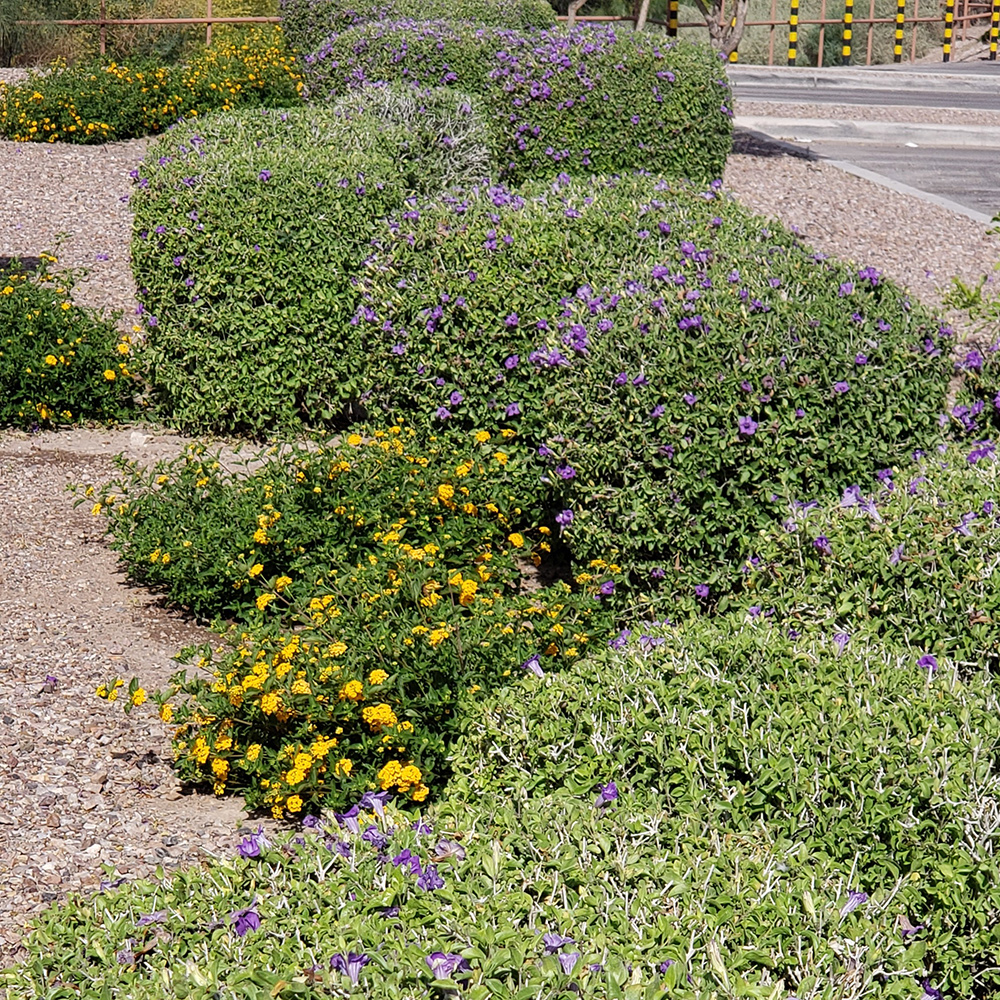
pixel 640 11
pixel 725 37
pixel 572 11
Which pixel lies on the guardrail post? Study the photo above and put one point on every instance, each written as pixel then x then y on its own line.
pixel 897 49
pixel 208 24
pixel 793 32
pixel 104 29
pixel 672 9
pixel 949 28
pixel 845 50
pixel 994 30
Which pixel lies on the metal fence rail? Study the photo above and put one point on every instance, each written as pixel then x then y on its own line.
pixel 985 15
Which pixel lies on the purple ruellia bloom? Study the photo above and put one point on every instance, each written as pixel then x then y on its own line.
pixel 430 879
pixel 931 992
pixel 620 641
pixel 349 819
pixel 511 362
pixel 896 554
pixel 374 836
pixel 568 959
pixel 607 588
pixel 350 966
pixel 444 965
pixel 513 410
pixel 870 274
pixel 841 387
pixel 311 822
pixel 534 665
pixel 846 288
pixel 928 662
pixel 564 471
pixel 841 639
pixel 264 175
pixel 156 917
pixel 449 850
pixel 747 426
pixel 407 859
pixel 657 573
pixel 908 929
pixel 822 544
pixel 854 900
pixel 861 359
pixel 663 966
pixel 421 826
pixel 701 591
pixel 455 398
pixel 512 320
pixel 754 612
pixel 690 398
pixel 564 518
pixel 251 846
pixel 553 942
pixel 245 921
pixel 606 794
pixel 375 801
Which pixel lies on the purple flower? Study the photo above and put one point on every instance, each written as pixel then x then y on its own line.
pixel 513 410
pixel 420 826
pixel 449 850
pixel 567 960
pixel 896 554
pixel 657 573
pixel 861 359
pixel 928 662
pixel 264 175
pixel 512 320
pixel 747 426
pixel 822 544
pixel 931 992
pixel 430 879
pixel 846 288
pixel 534 665
pixel 841 387
pixel 443 413
pixel 854 900
pixel 606 794
pixel 553 942
pixel 455 398
pixel 799 413
pixel 349 819
pixel 564 471
pixel 754 612
pixel 407 859
pixel 620 641
pixel 511 362
pixel 564 518
pixel 251 846
pixel 375 801
pixel 351 966
pixel 607 588
pixel 245 921
pixel 870 274
pixel 374 836
pixel 445 965
pixel 701 591
pixel 156 917
pixel 50 683
pixel 908 929
pixel 663 966
pixel 690 398
pixel 841 639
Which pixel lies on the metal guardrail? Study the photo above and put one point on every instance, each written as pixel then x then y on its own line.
pixel 972 12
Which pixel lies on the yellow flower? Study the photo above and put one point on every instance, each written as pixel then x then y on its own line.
pixel 501 458
pixel 354 440
pixel 337 648
pixel 138 696
pixel 437 637
pixel 123 348
pixel 295 776
pixel 260 536
pixel 166 558
pixel 389 775
pixel 344 766
pixel 109 374
pixel 352 691
pixel 294 803
pixel 255 570
pixel 167 712
pixel 481 437
pixel 445 491
pixel 516 539
pixel 51 359
pixel 253 751
pixel 378 677
pixel 420 793
pixel 269 703
pixel 282 582
pixel 379 716
pixel 220 768
pixel 264 600
pixel 301 687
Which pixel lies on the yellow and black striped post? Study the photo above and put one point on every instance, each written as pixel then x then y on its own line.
pixel 734 56
pixel 949 27
pixel 845 50
pixel 897 49
pixel 672 18
pixel 793 31
pixel 994 30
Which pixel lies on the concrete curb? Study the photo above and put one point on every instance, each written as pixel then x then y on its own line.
pixel 843 130
pixel 834 78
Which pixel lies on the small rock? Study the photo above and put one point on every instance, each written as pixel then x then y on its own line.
pixel 53 820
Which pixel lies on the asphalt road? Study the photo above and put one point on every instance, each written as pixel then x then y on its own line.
pixel 905 96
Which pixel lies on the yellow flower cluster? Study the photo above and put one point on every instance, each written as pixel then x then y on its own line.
pixel 405 778
pixel 379 717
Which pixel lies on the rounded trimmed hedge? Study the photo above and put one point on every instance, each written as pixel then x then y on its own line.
pixel 307 24
pixel 592 100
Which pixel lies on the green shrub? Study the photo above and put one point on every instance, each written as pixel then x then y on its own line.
pixel 677 371
pixel 98 101
pixel 309 23
pixel 853 763
pixel 248 232
pixel 58 363
pixel 589 100
pixel 376 554
pixel 914 559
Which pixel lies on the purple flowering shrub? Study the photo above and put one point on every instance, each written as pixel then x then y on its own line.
pixel 867 768
pixel 307 24
pixel 248 230
pixel 586 100
pixel 912 555
pixel 676 370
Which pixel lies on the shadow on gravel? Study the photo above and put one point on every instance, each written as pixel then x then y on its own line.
pixel 747 142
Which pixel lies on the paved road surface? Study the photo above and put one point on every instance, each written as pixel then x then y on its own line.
pixel 910 98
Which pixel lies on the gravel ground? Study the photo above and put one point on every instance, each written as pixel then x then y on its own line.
pixel 81 783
